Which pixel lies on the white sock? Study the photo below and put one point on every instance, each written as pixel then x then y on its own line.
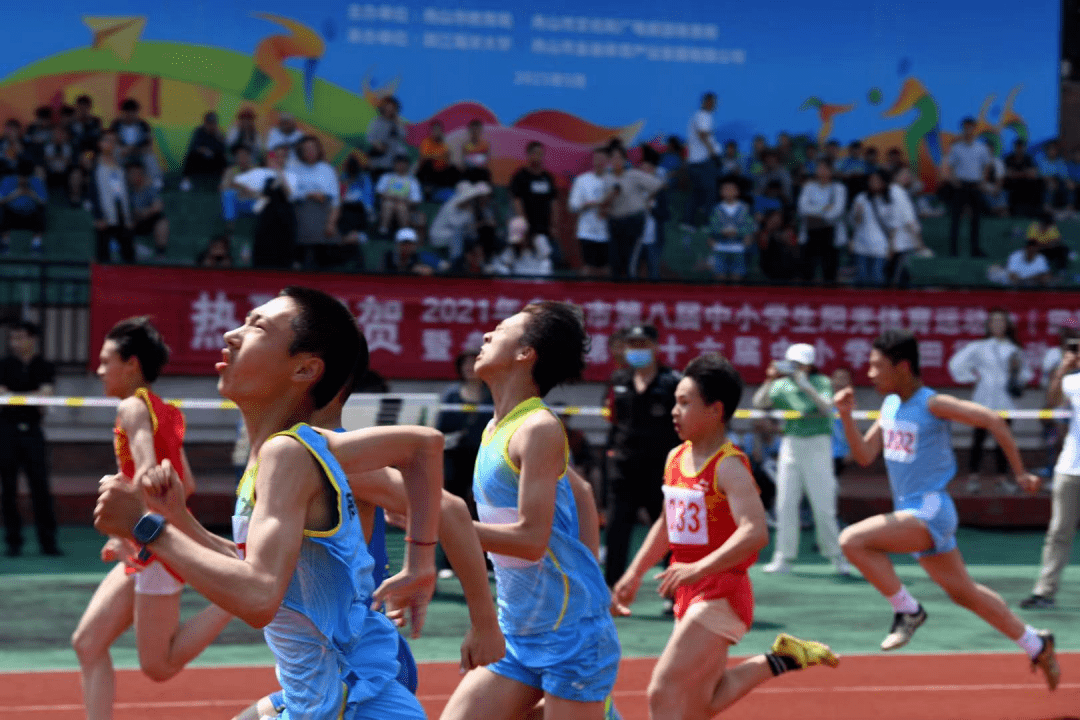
pixel 903 602
pixel 1030 642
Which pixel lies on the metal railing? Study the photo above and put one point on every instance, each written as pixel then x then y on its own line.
pixel 56 296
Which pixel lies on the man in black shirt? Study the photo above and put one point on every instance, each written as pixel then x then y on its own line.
pixel 1022 182
pixel 642 434
pixel 22 444
pixel 533 190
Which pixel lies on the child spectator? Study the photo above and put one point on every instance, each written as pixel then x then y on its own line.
pixel 84 126
pixel 731 230
pixel 147 208
pixel 245 133
pixel 476 153
pixel 528 253
pixel 437 175
pixel 405 256
pixel 1055 174
pixel 205 159
pixel 237 199
pixel 399 193
pixel 130 129
pixel 22 205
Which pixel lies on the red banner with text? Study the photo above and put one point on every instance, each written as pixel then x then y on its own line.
pixel 416 326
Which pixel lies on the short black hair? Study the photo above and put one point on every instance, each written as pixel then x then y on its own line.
pixel 137 336
pixel 717 380
pixel 84 100
pixel 130 105
pixel 30 328
pixel 325 328
pixel 360 372
pixel 533 144
pixel 556 331
pixel 967 121
pixel 898 345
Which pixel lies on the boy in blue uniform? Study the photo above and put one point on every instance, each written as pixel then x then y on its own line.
pixel 561 643
pixel 299 567
pixel 914 434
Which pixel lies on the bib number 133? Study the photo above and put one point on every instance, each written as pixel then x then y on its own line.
pixel 684 510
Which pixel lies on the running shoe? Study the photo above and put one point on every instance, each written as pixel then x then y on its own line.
pixel 804 652
pixel 1037 602
pixel 903 628
pixel 1046 660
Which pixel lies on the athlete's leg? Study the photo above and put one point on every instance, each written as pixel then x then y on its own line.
pixel 688 672
pixel 948 571
pixel 165 644
pixel 557 708
pixel 107 616
pixel 868 543
pixel 483 694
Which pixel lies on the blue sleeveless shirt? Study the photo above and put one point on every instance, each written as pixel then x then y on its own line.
pixel 917 446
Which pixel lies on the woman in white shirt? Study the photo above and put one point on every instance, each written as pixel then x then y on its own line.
pixel 821 227
pixel 907 232
pixel 317 196
pixel 872 241
pixel 527 254
pixel 996 365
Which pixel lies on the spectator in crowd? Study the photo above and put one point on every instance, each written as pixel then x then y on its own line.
pixel 11 148
pixel 39 132
pixel 785 150
pixel 872 240
pixel 1053 430
pixel 146 155
pixel 399 194
pixel 587 200
pixel 22 444
pixel 964 168
pixel 894 161
pixel 778 247
pixel 996 365
pixel 1058 193
pixel 840 379
pixel 22 206
pixel 109 204
pixel 205 157
pixel 61 170
pixel 649 248
pixel 406 257
pixel 672 158
pixel 628 194
pixel 217 253
pixel 527 252
pixel 85 127
pixel 762 447
pixel 357 201
pixel 773 171
pixel 476 153
pixel 1022 183
pixel 284 136
pixel 852 162
pixel 274 237
pixel 436 173
pixel 317 197
pixel 533 191
pixel 386 137
pixel 871 159
pixel 753 163
pixel 1044 231
pixel 130 129
pixel 1065 507
pixel 473 261
pixel 731 233
pixel 903 221
pixel 463 218
pixel 994 196
pixel 731 162
pixel 1026 267
pixel 642 434
pixel 811 155
pixel 831 155
pixel 245 133
pixel 821 207
pixel 237 199
pixel 147 208
pixel 771 198
pixel 702 162
pixel 806 452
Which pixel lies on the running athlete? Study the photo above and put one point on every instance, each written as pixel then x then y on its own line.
pixel 914 433
pixel 136 590
pixel 561 643
pixel 305 572
pixel 714 526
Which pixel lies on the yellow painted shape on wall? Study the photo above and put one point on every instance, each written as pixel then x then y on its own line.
pixel 118 34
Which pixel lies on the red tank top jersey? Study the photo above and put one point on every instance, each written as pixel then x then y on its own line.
pixel 699 521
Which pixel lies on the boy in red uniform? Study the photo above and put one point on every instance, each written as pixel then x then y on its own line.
pixel 139 590
pixel 714 526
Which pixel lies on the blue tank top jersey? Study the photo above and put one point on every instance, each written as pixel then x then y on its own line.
pixel 917 446
pixel 566 585
pixel 332 650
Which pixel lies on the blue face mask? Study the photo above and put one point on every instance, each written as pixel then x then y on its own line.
pixel 639 357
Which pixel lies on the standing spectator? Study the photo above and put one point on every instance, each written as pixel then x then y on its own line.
pixel 217 253
pixel 873 237
pixel 702 160
pixel 205 157
pixel 1022 181
pixel 146 155
pixel 460 219
pixel 399 195
pixel 995 198
pixel 907 232
pixel 386 137
pixel 437 175
pixel 60 165
pixel 830 155
pixel 38 133
pixel 527 253
pixel 11 148
pixel 236 199
pixel 244 133
pixel 821 229
pixel 806 456
pixel 406 257
pixel 284 137
pixel 533 190
pixel 731 162
pixel 22 206
pixel 274 237
pixel 996 365
pixel 1054 430
pixel 964 169
pixel 651 246
pixel 22 444
pixel 357 201
pixel 1058 194
pixel 778 248
pixel 147 208
pixel 628 194
pixel 852 164
pixel 464 431
pixel 109 204
pixel 317 196
pixel 731 232
pixel 762 448
pixel 1065 506
pixel 642 434
pixel 130 129
pixel 85 127
pixel 774 171
pixel 476 153
pixel 587 200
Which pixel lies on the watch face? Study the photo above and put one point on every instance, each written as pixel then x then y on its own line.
pixel 148 527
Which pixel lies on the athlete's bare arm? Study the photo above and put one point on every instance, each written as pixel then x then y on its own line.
pixel 166 494
pixel 864 448
pixel 588 517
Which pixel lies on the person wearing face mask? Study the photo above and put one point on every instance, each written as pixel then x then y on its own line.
pixel 642 434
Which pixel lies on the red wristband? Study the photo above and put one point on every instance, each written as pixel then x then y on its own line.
pixel 420 543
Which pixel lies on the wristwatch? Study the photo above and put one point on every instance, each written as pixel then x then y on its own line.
pixel 146 531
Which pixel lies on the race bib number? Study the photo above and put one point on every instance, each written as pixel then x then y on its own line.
pixel 502 516
pixel 901 439
pixel 240 532
pixel 684 510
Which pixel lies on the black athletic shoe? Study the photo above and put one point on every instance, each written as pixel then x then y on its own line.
pixel 903 628
pixel 1037 602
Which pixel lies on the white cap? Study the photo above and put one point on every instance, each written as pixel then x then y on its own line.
pixel 405 234
pixel 801 353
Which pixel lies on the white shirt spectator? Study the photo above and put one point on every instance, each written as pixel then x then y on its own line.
pixel 275 139
pixel 696 149
pixel 315 178
pixel 969 161
pixel 1069 460
pixel 986 363
pixel 826 201
pixel 232 138
pixel 903 219
pixel 535 261
pixel 588 188
pixel 1025 269
pixel 255 180
pixel 456 217
pixel 1050 363
pixel 872 226
pixel 400 186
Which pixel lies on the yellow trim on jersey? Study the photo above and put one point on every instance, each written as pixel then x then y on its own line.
pixel 246 487
pixel 144 395
pixel 566 589
pixel 344 699
pixel 292 432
